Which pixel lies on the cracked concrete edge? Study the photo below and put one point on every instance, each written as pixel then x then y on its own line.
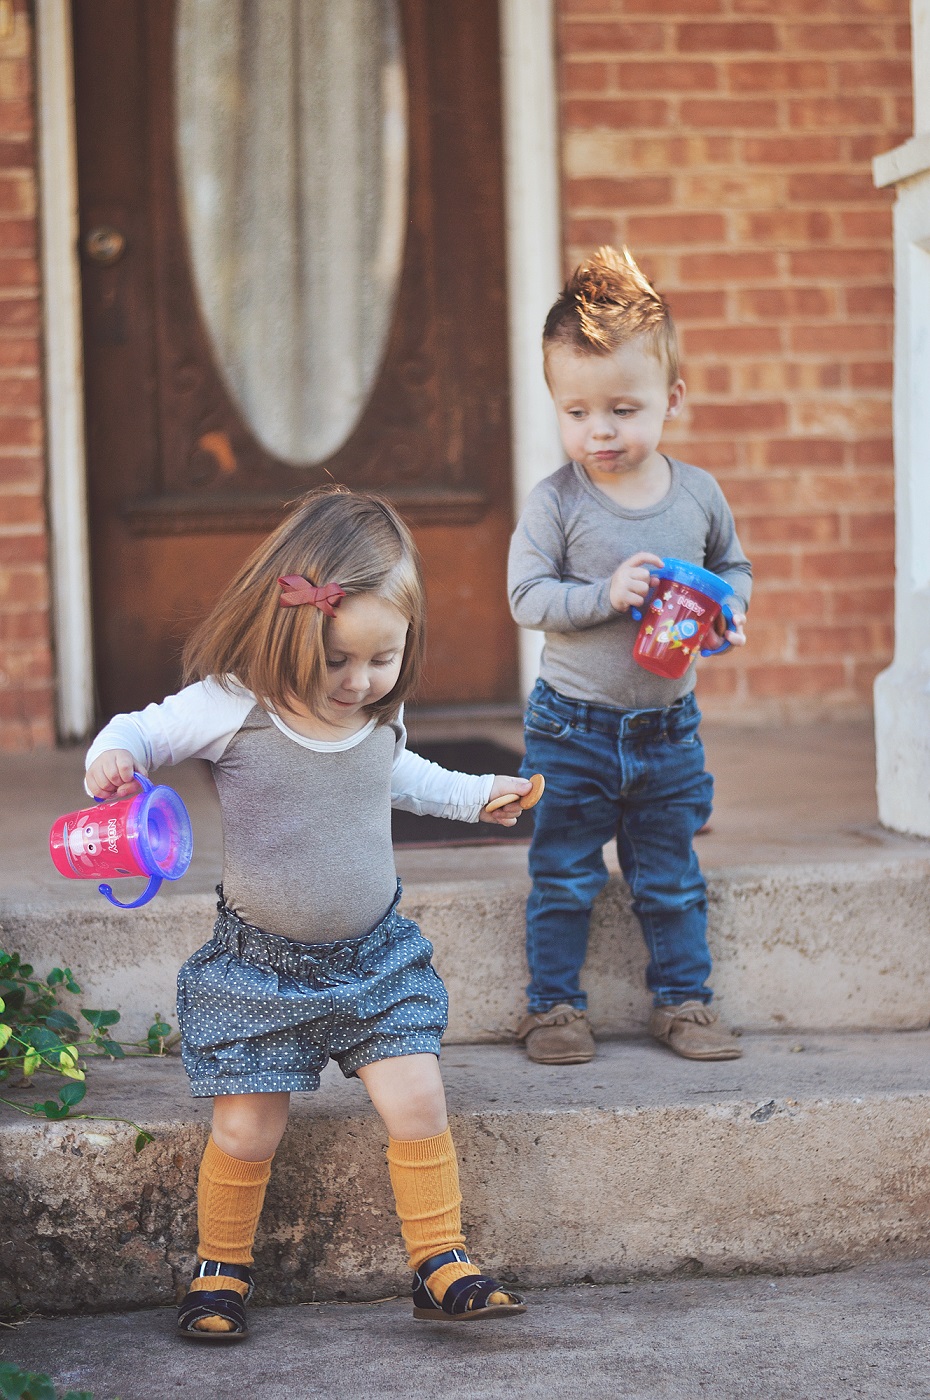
pixel 597 1194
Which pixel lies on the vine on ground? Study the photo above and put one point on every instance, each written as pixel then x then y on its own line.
pixel 37 1035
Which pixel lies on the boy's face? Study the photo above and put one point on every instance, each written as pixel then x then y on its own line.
pixel 612 408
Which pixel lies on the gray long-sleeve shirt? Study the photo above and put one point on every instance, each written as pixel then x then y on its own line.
pixel 569 540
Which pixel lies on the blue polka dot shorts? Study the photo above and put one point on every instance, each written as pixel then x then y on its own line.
pixel 260 1013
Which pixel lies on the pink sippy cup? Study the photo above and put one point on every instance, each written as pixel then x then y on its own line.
pixel 146 834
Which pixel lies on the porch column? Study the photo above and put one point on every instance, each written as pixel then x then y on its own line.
pixel 902 692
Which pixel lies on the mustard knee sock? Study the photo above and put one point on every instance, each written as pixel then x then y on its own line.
pixel 425 1178
pixel 230 1195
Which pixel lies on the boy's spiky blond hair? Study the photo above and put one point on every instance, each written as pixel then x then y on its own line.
pixel 606 302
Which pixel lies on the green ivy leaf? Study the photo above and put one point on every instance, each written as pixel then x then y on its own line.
pixel 52 1109
pixel 13 1381
pixel 72 1093
pixel 101 1019
pixel 55 976
pixel 112 1048
pixel 142 1140
pixel 60 1021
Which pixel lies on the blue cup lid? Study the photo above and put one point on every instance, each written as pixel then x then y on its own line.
pixel 693 576
pixel 166 841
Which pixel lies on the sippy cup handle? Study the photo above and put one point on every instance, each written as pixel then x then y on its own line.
pixel 724 645
pixel 637 613
pixel 155 881
pixel 140 778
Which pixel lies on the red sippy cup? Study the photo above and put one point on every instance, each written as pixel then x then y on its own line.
pixel 146 834
pixel 676 617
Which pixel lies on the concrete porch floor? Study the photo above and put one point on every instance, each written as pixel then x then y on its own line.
pixel 785 795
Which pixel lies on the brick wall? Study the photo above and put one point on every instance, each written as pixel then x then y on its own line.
pixel 26 685
pixel 728 142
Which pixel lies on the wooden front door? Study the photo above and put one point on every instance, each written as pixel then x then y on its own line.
pixel 181 488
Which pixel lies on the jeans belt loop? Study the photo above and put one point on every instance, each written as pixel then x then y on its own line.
pixel 583 716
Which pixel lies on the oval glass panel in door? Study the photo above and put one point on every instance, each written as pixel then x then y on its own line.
pixel 292 143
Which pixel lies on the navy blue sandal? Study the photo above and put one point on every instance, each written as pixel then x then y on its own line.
pixel 465 1300
pixel 219 1302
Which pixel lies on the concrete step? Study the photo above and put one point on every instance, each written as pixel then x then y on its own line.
pixel 828 946
pixel 636 1165
pixel 831 1337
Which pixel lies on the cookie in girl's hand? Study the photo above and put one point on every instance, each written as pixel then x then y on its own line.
pixel 529 799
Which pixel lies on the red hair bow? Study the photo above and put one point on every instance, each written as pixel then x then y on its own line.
pixel 296 590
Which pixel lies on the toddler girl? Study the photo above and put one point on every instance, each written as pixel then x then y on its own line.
pixel 298 678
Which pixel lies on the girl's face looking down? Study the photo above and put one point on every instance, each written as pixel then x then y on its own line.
pixel 364 649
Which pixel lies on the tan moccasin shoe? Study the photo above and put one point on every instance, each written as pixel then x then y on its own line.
pixel 560 1036
pixel 693 1031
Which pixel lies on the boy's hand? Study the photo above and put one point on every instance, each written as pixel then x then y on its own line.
pixel 630 581
pixel 736 636
pixel 506 816
pixel 111 775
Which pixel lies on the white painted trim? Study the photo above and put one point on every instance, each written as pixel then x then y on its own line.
pixel 64 371
pixel 534 248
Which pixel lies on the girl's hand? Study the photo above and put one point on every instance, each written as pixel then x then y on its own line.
pixel 736 636
pixel 631 581
pixel 506 816
pixel 111 775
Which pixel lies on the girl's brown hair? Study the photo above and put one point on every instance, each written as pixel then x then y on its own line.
pixel 334 535
pixel 606 302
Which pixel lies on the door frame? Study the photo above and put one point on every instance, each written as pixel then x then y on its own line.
pixel 534 254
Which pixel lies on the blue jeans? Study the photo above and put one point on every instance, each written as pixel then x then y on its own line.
pixel 636 776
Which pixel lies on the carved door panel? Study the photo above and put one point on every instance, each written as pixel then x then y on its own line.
pixel 190 460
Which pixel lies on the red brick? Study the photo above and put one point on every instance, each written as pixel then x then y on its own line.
pixel 20 393
pixel 584 113
pixel 728 113
pixel 17 195
pixel 712 456
pixel 669 7
pixel 717 681
pixel 16 273
pixel 804 452
pixel 782 302
pixel 794 680
pixel 770 641
pixel 867 639
pixel 790 529
pixel 18 354
pixel 20 432
pixel 870 335
pixel 727 268
pixel 22 472
pixel 842 566
pixel 778 75
pixel 668 76
pixel 709 379
pixel 859 224
pixel 882 73
pixel 587 78
pixel 793 150
pixel 738 417
pixel 870 301
pixel 31 626
pixel 580 36
pixel 842 263
pixel 791 604
pixel 16 117
pixel 23 587
pixel 677 228
pixel 732 340
pixel 838 37
pixel 872 530
pixel 786 226
pixel 873 452
pixel 846 187
pixel 590 233
pixel 727 37
pixel 694 306
pixel 816 113
pixel 613 194
pixel 857 604
pixel 19 314
pixel 873 143
pixel 875 374
pixel 18 154
pixel 18 235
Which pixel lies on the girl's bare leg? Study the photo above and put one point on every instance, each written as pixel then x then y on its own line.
pixel 409 1095
pixel 250 1126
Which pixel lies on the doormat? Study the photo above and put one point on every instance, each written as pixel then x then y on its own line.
pixel 464 756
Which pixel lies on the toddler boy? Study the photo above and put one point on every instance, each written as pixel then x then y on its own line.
pixel 619 746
